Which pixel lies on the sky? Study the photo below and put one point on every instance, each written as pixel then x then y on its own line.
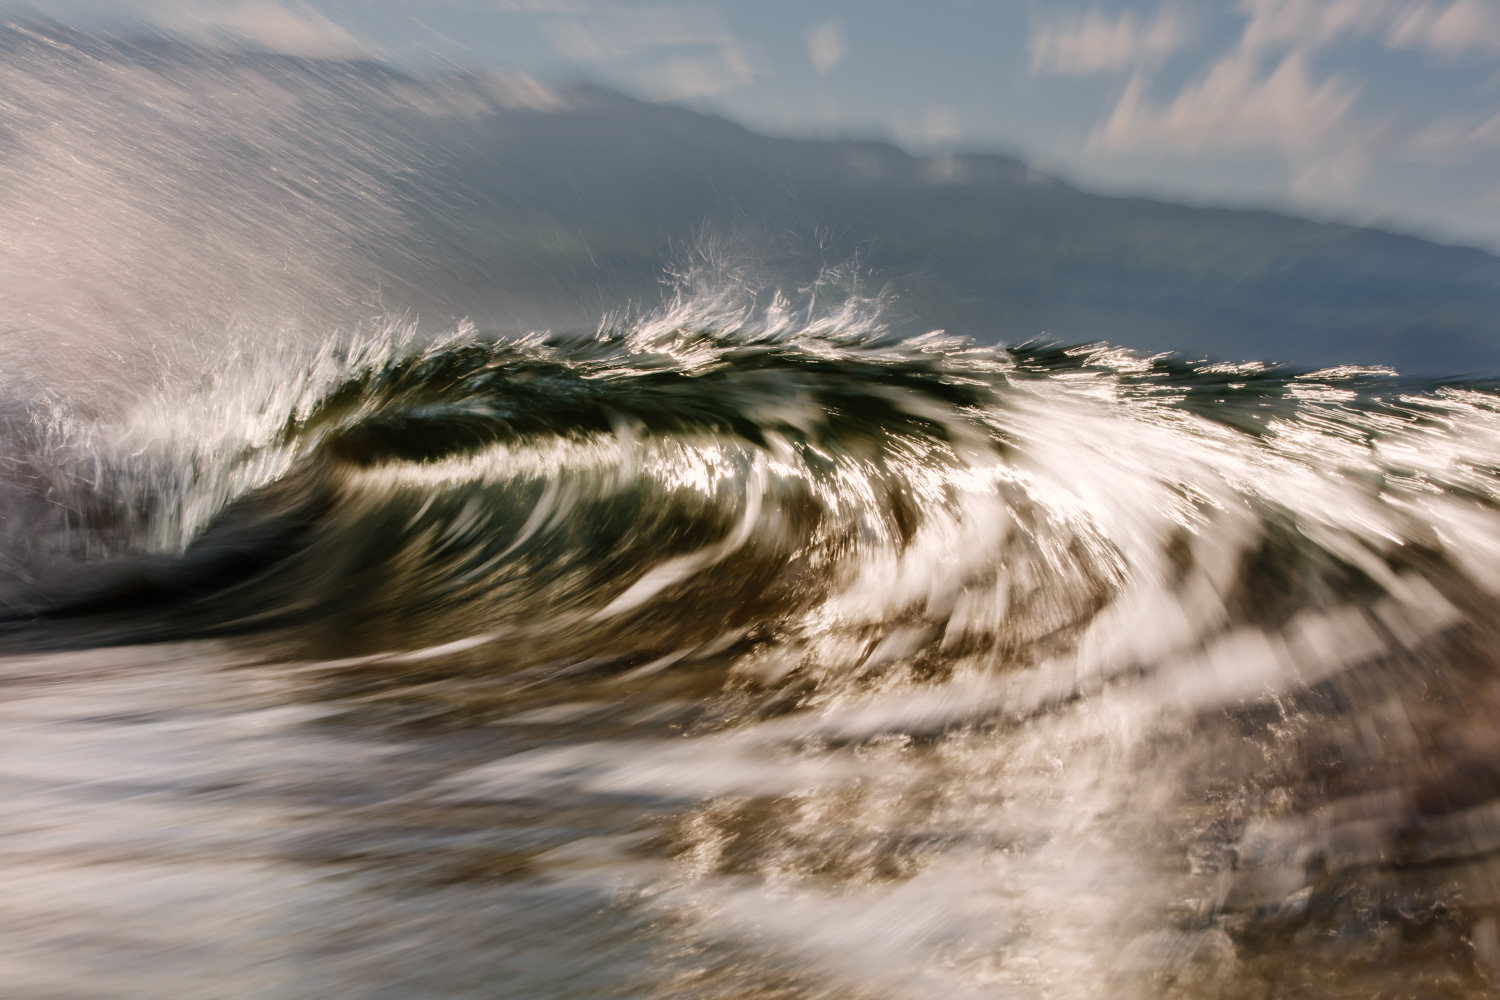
pixel 1384 112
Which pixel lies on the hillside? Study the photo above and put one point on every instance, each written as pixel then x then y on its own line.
pixel 593 200
pixel 253 183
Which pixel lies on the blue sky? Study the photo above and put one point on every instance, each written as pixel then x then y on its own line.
pixel 1384 111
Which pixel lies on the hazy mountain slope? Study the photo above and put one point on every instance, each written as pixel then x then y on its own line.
pixel 522 205
pixel 605 191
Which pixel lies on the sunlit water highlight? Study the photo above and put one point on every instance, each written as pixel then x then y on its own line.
pixel 740 650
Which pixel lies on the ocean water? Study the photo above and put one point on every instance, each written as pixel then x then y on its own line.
pixel 732 647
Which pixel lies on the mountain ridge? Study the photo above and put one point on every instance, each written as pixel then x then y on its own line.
pixel 985 246
pixel 524 205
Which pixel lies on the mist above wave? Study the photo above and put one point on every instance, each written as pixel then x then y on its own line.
pixel 744 645
pixel 162 193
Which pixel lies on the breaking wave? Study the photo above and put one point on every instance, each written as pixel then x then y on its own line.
pixel 964 645
pixel 739 648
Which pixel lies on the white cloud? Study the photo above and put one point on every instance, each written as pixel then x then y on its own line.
pixel 526 6
pixel 1093 42
pixel 1449 30
pixel 621 31
pixel 941 124
pixel 1335 171
pixel 826 44
pixel 1264 97
pixel 1234 107
pixel 291 28
pixel 682 77
pixel 1450 137
pixel 1309 24
pixel 702 55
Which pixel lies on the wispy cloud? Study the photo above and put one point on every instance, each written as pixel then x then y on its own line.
pixel 1451 30
pixel 681 77
pixel 529 6
pixel 1451 136
pixel 826 44
pixel 1264 95
pixel 1235 106
pixel 690 48
pixel 1444 28
pixel 1094 42
pixel 1240 108
pixel 941 123
pixel 292 28
pixel 610 33
pixel 1308 24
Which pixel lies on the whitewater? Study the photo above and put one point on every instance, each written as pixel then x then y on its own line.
pixel 732 646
